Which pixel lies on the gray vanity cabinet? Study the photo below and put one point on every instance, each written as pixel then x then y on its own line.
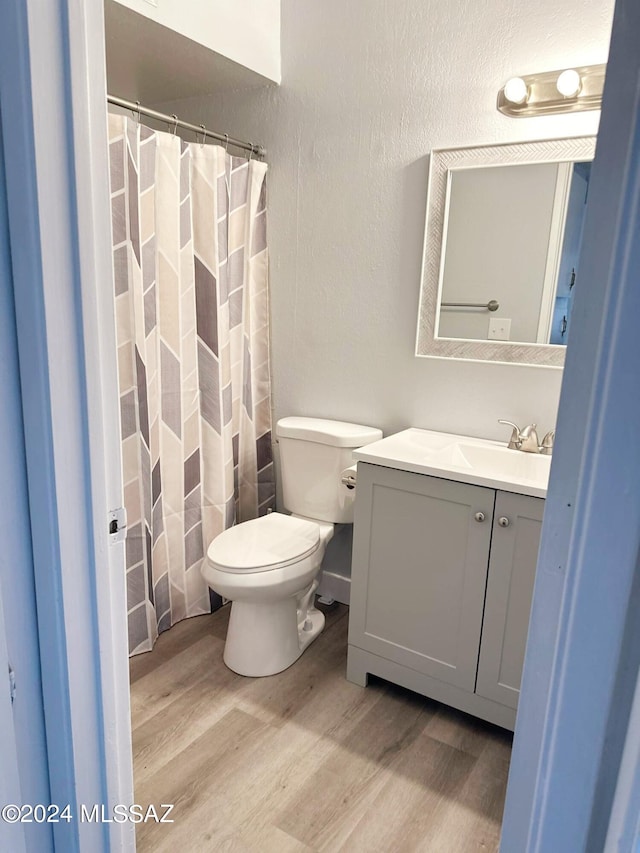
pixel 441 588
pixel 512 572
pixel 420 571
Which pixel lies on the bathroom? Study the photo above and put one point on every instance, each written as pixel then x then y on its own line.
pixel 349 102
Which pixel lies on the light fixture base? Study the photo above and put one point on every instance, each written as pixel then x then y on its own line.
pixel 544 98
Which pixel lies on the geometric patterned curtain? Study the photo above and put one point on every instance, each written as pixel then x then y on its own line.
pixel 192 315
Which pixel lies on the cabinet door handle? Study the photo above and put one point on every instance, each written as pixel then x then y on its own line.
pixel 503 521
pixel 479 516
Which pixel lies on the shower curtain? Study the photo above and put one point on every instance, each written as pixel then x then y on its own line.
pixel 192 316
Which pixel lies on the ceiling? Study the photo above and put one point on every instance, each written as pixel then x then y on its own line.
pixel 150 63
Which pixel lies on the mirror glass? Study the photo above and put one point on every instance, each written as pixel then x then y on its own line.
pixel 512 245
pixel 502 244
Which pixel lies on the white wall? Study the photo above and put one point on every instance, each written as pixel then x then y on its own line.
pixel 498 232
pixel 369 88
pixel 246 31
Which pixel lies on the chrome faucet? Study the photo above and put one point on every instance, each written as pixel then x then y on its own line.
pixel 527 439
pixel 514 441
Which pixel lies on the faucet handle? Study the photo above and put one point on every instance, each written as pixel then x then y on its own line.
pixel 547 443
pixel 514 441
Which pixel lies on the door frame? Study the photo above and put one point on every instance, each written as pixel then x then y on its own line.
pixel 583 653
pixel 554 252
pixel 11 834
pixel 23 728
pixel 52 77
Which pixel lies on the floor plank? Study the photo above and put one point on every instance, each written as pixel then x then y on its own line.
pixel 391 727
pixel 178 638
pixel 305 760
pixel 471 822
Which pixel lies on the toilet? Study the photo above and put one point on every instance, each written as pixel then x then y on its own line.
pixel 268 567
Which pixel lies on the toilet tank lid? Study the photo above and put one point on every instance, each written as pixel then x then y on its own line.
pixel 322 431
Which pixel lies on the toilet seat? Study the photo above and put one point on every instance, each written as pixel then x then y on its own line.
pixel 264 544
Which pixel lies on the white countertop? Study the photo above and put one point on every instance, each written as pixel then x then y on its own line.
pixel 459 457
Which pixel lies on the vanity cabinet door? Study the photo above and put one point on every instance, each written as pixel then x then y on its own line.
pixel 419 570
pixel 512 570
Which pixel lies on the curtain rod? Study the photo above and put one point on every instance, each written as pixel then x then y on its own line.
pixel 173 120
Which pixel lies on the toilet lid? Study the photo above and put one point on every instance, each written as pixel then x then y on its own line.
pixel 266 543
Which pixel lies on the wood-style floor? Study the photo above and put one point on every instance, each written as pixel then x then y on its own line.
pixel 304 760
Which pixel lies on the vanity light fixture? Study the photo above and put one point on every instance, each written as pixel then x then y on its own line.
pixel 563 91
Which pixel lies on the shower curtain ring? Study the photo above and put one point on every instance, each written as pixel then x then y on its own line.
pixel 137 112
pixel 204 135
pixel 175 123
pixel 250 151
pixel 226 142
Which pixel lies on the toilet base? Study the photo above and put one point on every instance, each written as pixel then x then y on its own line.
pixel 315 623
pixel 264 638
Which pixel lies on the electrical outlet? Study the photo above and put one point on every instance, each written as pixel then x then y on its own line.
pixel 499 329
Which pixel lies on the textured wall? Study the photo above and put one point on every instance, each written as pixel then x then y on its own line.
pixel 369 87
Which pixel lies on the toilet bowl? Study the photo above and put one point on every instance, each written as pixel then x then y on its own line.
pixel 268 567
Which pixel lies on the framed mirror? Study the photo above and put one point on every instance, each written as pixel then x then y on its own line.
pixel 502 242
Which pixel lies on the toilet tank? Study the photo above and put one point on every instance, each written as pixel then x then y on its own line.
pixel 313 454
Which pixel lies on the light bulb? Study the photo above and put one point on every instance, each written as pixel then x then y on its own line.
pixel 516 90
pixel 569 83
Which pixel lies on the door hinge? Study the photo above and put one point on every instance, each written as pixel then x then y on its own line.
pixel 12 683
pixel 117 524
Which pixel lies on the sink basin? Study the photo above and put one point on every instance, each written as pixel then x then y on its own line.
pixel 463 458
pixel 498 461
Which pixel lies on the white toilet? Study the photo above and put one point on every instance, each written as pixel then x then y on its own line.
pixel 267 567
